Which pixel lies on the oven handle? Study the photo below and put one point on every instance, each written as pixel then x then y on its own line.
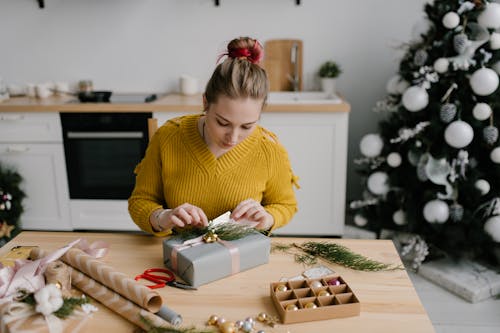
pixel 105 135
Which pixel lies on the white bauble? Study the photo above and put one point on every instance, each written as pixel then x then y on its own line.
pixel 441 65
pixel 451 20
pixel 490 16
pixel 495 41
pixel 483 186
pixel 394 159
pixel 421 27
pixel 399 217
pixel 360 220
pixel 436 211
pixel 378 183
pixel 481 111
pixel 371 145
pixel 492 227
pixel 484 81
pixel 496 67
pixel 402 86
pixel 415 98
pixel 458 134
pixel 495 155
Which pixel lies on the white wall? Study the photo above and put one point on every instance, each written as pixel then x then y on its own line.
pixel 145 45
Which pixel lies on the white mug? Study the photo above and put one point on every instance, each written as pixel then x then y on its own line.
pixel 43 90
pixel 188 85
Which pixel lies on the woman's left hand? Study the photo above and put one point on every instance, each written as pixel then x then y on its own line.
pixel 253 211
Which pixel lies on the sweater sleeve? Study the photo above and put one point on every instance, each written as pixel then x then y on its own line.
pixel 147 195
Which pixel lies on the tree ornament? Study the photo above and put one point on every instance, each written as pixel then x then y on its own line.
pixel 415 98
pixel 436 211
pixel 421 28
pixel 481 111
pixel 495 41
pixel 371 145
pixel 394 159
pixel 490 134
pixel 495 155
pixel 451 20
pixel 281 288
pixel 460 42
pixel 458 134
pixel 441 65
pixel 291 307
pixel 484 81
pixel 447 112
pixel 378 183
pixel 490 16
pixel 492 227
pixel 360 220
pixel 483 186
pixel 456 212
pixel 399 217
pixel 420 57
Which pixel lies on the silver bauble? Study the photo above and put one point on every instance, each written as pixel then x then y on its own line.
pixel 495 155
pixel 490 134
pixel 458 134
pixel 490 16
pixel 481 111
pixel 360 220
pixel 371 145
pixel 394 159
pixel 483 186
pixel 436 211
pixel 484 81
pixel 415 98
pixel 451 20
pixel 492 227
pixel 399 217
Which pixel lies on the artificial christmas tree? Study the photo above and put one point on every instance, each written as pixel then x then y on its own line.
pixel 433 170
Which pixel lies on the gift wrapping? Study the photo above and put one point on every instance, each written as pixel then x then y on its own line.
pixel 110 299
pixel 200 263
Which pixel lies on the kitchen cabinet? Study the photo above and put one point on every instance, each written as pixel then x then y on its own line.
pixel 31 143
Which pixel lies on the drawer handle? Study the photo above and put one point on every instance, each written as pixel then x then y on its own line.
pixel 17 149
pixel 11 118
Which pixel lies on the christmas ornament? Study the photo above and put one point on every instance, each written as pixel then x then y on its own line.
pixel 212 320
pixel 421 172
pixel 6 230
pixel 490 134
pixel 468 46
pixel 495 155
pixel 456 212
pixel 490 16
pixel 323 293
pixel 399 217
pixel 436 211
pixel 396 85
pixel 310 305
pixel 458 134
pixel 333 282
pixel 281 288
pixel 394 159
pixel 414 250
pixel 420 57
pixel 421 28
pixel 415 98
pixel 460 42
pixel 484 81
pixel 291 307
pixel 492 227
pixel 495 41
pixel 448 112
pixel 408 133
pixel 360 220
pixel 483 186
pixel 481 111
pixel 378 183
pixel 371 145
pixel 316 284
pixel 437 170
pixel 451 20
pixel 441 65
pixel 228 327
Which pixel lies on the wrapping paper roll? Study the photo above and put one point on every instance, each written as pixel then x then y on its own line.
pixel 110 299
pixel 117 281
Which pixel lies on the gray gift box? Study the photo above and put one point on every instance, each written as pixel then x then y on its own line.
pixel 207 262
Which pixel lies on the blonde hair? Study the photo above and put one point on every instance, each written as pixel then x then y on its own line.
pixel 239 75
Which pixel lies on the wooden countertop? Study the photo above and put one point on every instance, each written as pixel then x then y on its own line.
pixel 389 303
pixel 169 102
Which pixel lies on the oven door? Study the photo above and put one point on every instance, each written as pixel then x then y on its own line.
pixel 101 152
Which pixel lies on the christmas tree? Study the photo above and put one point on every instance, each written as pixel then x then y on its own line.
pixel 11 208
pixel 433 169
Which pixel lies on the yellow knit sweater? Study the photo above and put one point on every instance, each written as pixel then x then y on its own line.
pixel 178 167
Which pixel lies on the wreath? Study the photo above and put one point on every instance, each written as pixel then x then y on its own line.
pixel 11 197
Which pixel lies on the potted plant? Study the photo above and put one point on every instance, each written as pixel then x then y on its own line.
pixel 328 73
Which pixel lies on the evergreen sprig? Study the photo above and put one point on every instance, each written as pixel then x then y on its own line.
pixel 225 231
pixel 69 303
pixel 157 329
pixel 334 253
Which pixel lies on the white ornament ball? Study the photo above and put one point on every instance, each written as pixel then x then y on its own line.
pixel 378 183
pixel 483 186
pixel 421 27
pixel 415 98
pixel 495 155
pixel 441 65
pixel 451 20
pixel 399 217
pixel 490 16
pixel 496 67
pixel 394 159
pixel 360 220
pixel 371 145
pixel 458 134
pixel 484 81
pixel 436 211
pixel 495 41
pixel 492 227
pixel 481 111
pixel 402 86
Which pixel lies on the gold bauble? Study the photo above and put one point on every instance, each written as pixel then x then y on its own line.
pixel 310 305
pixel 291 307
pixel 227 327
pixel 210 237
pixel 262 317
pixel 212 320
pixel 280 287
pixel 323 293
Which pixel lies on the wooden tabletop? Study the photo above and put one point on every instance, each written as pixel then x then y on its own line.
pixel 389 302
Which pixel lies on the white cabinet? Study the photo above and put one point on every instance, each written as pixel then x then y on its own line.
pixel 31 143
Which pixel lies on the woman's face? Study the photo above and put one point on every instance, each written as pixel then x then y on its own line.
pixel 230 121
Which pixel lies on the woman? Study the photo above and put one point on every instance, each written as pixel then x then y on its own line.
pixel 197 167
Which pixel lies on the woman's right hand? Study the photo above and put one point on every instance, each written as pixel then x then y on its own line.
pixel 180 216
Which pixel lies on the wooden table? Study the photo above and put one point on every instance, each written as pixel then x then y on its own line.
pixel 389 303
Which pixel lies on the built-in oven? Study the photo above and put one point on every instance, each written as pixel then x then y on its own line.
pixel 101 151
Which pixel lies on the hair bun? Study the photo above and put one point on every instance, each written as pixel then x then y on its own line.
pixel 253 53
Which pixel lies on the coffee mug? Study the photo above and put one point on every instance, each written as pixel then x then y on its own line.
pixel 188 85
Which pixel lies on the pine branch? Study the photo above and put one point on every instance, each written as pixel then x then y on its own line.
pixel 224 231
pixel 157 329
pixel 69 306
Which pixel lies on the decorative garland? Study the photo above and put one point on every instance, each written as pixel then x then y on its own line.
pixel 11 197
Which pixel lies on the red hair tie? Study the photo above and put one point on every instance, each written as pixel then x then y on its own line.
pixel 254 55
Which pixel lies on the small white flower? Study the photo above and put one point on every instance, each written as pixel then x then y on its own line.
pixel 48 299
pixel 88 308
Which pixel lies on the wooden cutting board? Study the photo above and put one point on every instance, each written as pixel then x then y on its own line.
pixel 279 64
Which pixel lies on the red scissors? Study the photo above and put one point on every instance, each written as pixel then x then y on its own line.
pixel 166 277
